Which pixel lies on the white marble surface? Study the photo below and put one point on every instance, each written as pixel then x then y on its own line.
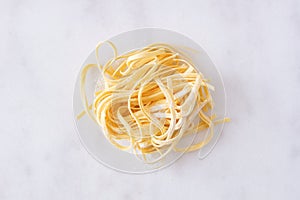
pixel 256 46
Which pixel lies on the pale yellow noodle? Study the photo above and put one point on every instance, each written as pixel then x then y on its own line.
pixel 151 99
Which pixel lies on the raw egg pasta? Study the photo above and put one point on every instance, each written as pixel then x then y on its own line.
pixel 152 98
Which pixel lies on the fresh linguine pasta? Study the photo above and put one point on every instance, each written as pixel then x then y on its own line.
pixel 153 97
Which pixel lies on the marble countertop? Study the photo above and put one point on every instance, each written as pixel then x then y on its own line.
pixel 256 46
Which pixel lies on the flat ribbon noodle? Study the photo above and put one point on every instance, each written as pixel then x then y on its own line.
pixel 152 98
